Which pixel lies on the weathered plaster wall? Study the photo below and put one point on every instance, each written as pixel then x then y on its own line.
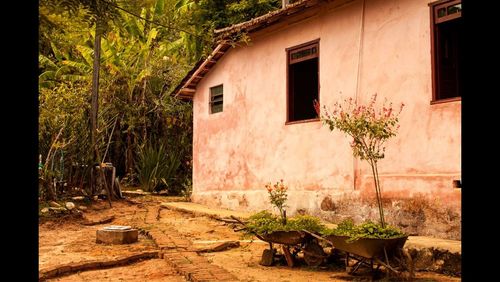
pixel 237 151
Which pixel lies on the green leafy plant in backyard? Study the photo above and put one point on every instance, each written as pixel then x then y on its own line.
pixel 306 222
pixel 156 166
pixel 264 222
pixel 369 129
pixel 367 229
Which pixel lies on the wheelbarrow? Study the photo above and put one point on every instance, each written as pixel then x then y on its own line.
pixel 374 252
pixel 292 243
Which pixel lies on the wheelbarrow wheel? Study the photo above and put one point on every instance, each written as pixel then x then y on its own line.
pixel 313 254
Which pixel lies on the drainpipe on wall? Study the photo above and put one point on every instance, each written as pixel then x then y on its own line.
pixel 284 3
pixel 360 53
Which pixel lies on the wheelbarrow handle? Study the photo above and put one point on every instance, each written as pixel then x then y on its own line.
pixel 317 237
pixel 245 227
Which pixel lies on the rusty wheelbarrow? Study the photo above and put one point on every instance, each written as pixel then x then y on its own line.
pixel 372 251
pixel 292 243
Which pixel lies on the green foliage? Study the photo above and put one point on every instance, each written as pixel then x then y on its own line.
pixel 157 166
pixel 101 11
pixel 368 229
pixel 306 222
pixel 201 17
pixel 243 10
pixel 66 107
pixel 265 222
pixel 344 228
pixel 138 69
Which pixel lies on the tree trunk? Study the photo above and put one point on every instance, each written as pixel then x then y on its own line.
pixel 373 164
pixel 381 206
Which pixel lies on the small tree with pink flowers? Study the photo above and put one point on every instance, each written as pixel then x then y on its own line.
pixel 369 128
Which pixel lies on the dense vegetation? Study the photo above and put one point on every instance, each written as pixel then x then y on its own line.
pixel 146 47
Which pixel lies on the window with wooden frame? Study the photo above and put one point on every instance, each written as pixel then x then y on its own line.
pixel 447 50
pixel 303 81
pixel 216 99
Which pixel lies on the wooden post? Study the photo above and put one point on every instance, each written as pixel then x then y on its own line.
pixel 95 97
pixel 95 83
pixel 113 180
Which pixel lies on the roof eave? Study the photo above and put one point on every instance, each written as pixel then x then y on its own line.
pixel 187 87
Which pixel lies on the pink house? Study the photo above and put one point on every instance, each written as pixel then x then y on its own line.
pixel 254 120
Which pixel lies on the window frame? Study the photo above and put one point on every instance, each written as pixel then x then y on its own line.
pixel 434 20
pixel 289 51
pixel 211 98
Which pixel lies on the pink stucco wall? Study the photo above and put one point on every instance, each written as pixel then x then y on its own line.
pixel 237 151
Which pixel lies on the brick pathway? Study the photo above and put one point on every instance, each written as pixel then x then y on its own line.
pixel 179 254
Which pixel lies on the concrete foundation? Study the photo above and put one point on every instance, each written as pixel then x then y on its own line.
pixel 128 236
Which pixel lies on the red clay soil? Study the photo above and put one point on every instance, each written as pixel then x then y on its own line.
pixel 68 241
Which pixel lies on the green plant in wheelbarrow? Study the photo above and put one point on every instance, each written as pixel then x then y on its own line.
pixel 264 223
pixel 367 229
pixel 295 234
pixel 369 242
pixel 291 235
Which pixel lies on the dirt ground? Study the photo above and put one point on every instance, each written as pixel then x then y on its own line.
pixel 68 241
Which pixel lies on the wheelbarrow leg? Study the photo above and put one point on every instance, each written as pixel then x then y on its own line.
pixel 357 265
pixel 372 271
pixel 388 264
pixel 288 255
pixel 347 267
